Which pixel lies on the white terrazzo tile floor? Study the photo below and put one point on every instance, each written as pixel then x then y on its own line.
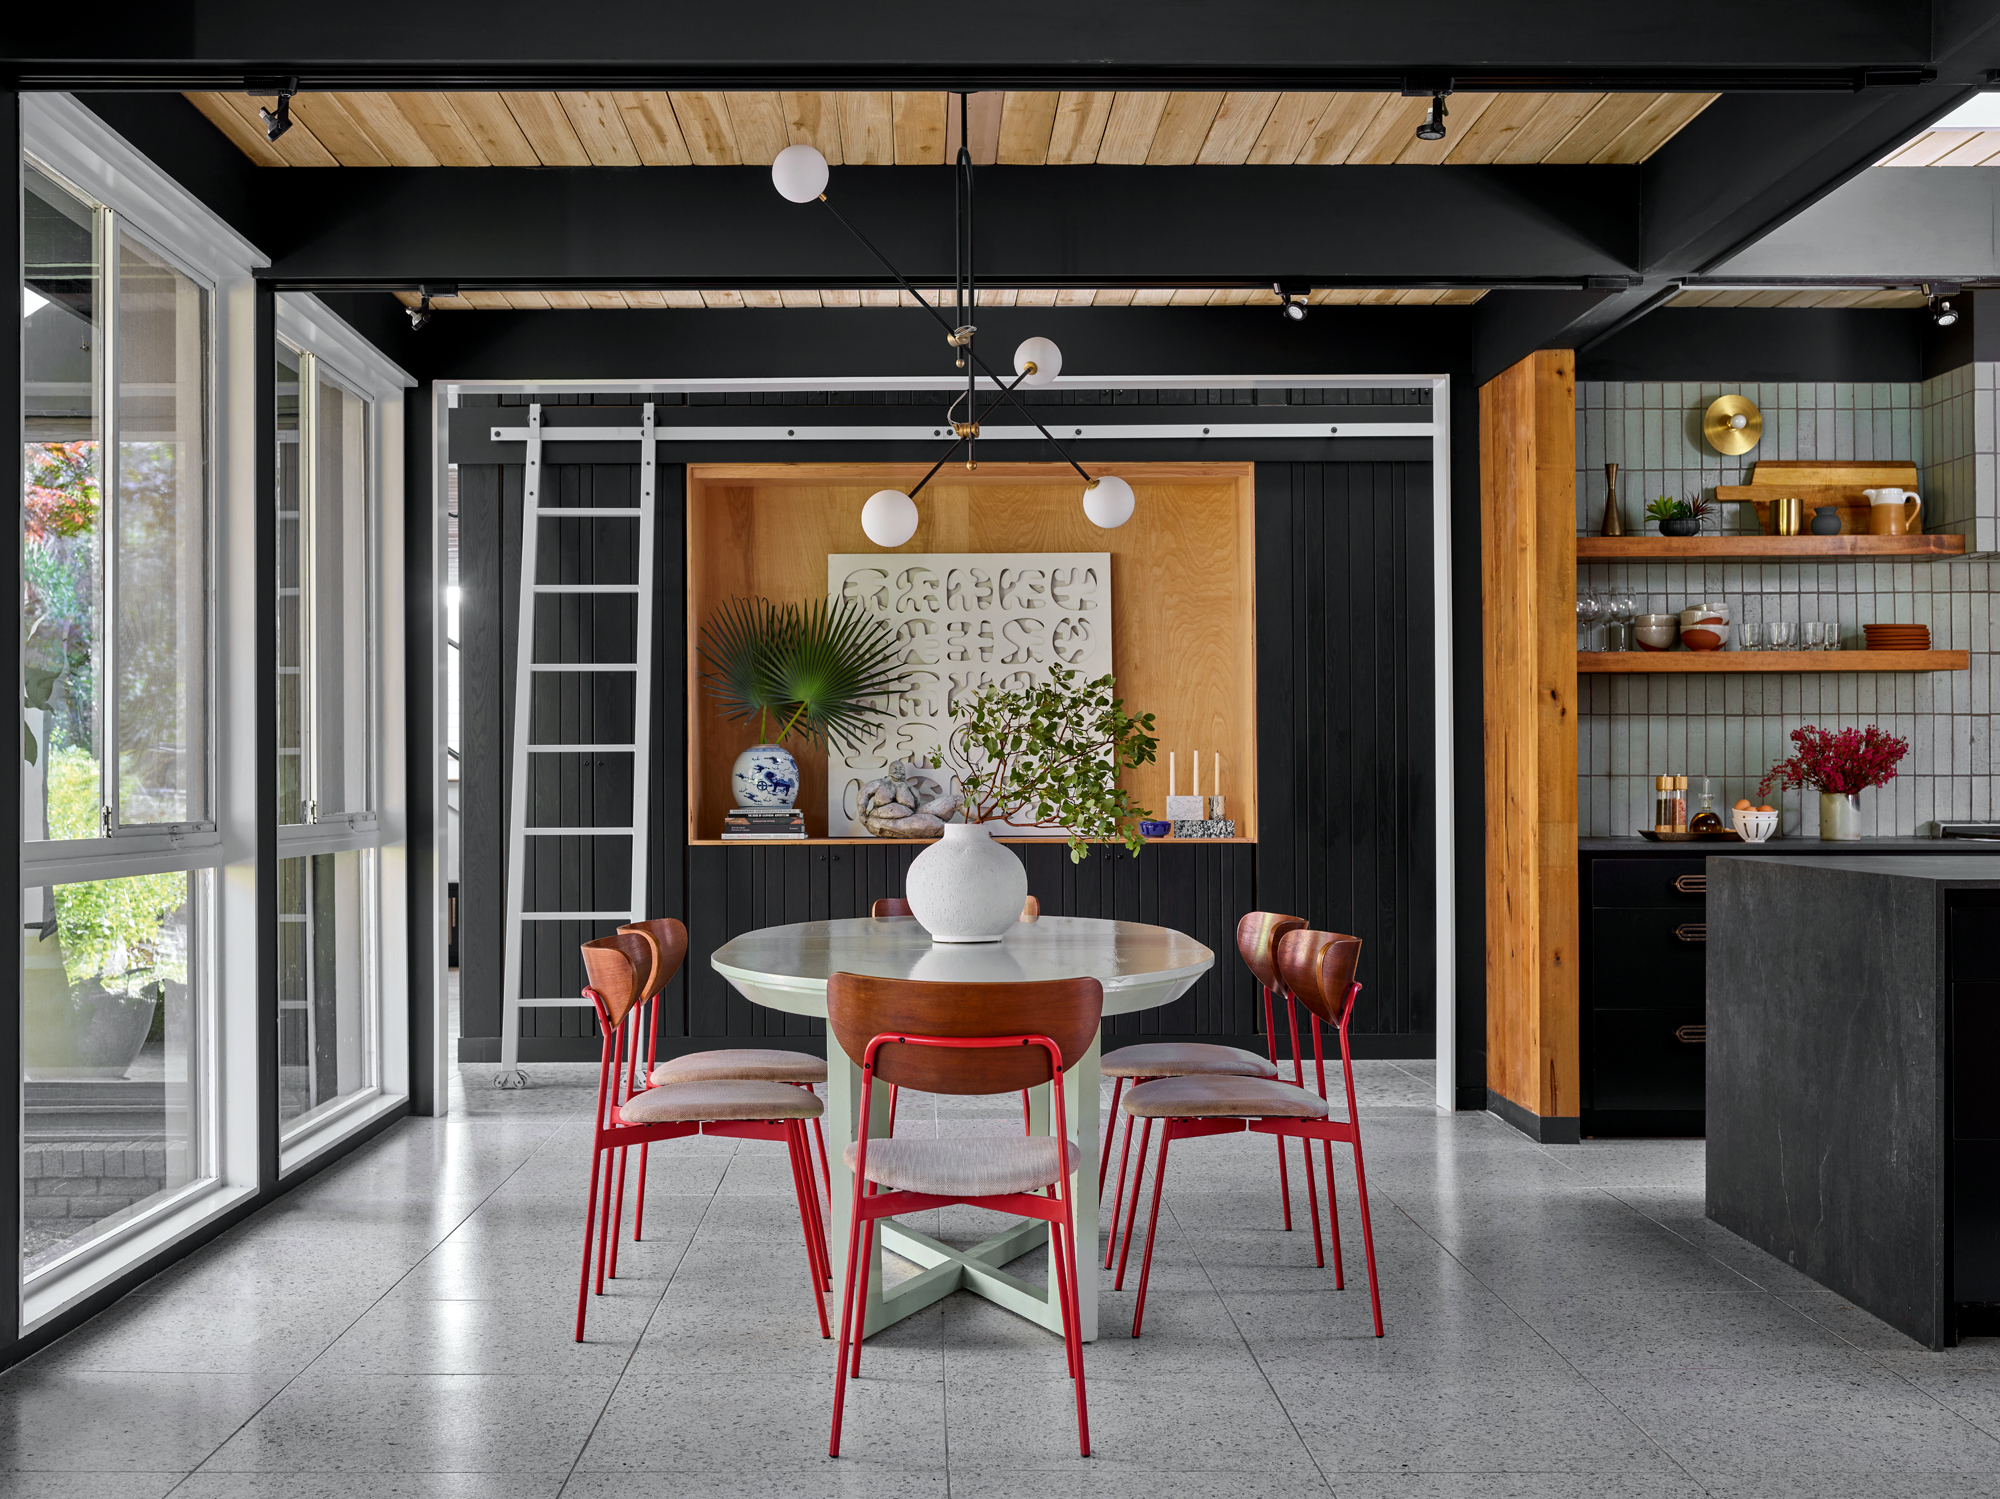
pixel 1562 1322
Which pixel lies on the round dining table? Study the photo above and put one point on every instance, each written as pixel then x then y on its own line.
pixel 1141 967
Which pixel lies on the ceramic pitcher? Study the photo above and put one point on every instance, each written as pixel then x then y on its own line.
pixel 1893 512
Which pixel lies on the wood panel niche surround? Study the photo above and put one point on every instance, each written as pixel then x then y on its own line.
pixel 1527 468
pixel 1183 580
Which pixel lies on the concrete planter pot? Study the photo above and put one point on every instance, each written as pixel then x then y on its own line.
pixel 86 1032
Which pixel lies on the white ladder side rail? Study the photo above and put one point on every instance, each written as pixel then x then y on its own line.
pixel 513 1001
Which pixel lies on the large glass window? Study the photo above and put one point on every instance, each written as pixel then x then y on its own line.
pixel 327 1044
pixel 111 1043
pixel 114 587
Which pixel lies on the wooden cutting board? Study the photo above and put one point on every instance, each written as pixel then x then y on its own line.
pixel 1815 483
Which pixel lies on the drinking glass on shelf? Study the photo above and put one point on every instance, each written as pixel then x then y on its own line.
pixel 1624 607
pixel 1830 636
pixel 1815 635
pixel 1749 637
pixel 1784 635
pixel 1588 609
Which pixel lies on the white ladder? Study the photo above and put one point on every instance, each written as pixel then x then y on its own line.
pixel 526 669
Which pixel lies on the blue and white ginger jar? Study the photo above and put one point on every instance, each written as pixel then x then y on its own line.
pixel 765 775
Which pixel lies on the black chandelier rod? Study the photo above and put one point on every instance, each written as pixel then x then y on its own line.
pixel 963 440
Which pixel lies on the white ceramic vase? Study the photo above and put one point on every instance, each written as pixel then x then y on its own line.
pixel 765 775
pixel 965 887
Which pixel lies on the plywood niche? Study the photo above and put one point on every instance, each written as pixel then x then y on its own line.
pixel 1182 577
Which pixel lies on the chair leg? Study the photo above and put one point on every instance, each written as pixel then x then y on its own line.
pixel 618 1220
pixel 1118 1197
pixel 1110 1129
pixel 589 1233
pixel 1367 1233
pixel 1312 1203
pixel 1072 1314
pixel 850 1321
pixel 604 1228
pixel 1132 1212
pixel 1059 1260
pixel 825 1168
pixel 1333 1216
pixel 639 1205
pixel 1152 1225
pixel 802 1187
pixel 1285 1185
pixel 867 1270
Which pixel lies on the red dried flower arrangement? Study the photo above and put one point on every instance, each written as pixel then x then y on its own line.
pixel 1844 762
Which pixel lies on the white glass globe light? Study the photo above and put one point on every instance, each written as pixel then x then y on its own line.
pixel 890 517
pixel 1043 354
pixel 1109 502
pixel 799 173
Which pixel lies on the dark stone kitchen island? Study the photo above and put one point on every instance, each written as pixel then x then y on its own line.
pixel 1854 1077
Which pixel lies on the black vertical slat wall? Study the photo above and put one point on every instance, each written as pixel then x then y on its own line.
pixel 1346 820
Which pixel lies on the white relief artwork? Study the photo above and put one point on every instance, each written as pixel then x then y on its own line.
pixel 967 620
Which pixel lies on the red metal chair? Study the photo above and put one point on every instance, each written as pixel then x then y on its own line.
pixel 724 1063
pixel 1257 943
pixel 620 968
pixel 1318 968
pixel 962 1039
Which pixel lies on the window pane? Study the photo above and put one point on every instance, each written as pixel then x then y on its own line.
pixel 109 1046
pixel 291 645
pixel 325 1050
pixel 339 722
pixel 62 515
pixel 159 590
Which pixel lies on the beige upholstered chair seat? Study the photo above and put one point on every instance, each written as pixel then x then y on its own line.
pixel 1185 1059
pixel 962 1168
pixel 1214 1097
pixel 763 1065
pixel 732 1099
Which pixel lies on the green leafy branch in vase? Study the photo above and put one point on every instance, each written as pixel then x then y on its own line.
pixel 1049 755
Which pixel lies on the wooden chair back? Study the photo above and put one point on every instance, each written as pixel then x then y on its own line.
pixel 860 1008
pixel 620 967
pixel 1318 969
pixel 670 939
pixel 1031 909
pixel 891 905
pixel 1257 943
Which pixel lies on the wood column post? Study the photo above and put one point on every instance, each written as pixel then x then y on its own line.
pixel 1527 481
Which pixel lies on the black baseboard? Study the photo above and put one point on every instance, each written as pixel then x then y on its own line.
pixel 1472 1097
pixel 1419 1046
pixel 1645 1124
pixel 1555 1130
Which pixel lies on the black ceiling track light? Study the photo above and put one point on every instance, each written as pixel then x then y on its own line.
pixel 1291 304
pixel 890 517
pixel 276 121
pixel 1432 128
pixel 1942 299
pixel 420 315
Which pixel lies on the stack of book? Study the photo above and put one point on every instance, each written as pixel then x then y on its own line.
pixel 764 822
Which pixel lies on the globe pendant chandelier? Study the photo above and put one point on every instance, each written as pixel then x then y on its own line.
pixel 890 516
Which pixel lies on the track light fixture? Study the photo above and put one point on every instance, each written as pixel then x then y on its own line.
pixel 1941 297
pixel 1432 128
pixel 276 121
pixel 1291 304
pixel 421 313
pixel 890 516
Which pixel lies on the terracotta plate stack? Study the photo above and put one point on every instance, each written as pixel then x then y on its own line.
pixel 1898 637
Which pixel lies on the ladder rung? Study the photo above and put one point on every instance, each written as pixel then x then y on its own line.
pixel 565 749
pixel 586 588
pixel 582 510
pixel 583 666
pixel 578 832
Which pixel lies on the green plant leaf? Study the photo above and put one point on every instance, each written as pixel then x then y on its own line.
pixel 815 667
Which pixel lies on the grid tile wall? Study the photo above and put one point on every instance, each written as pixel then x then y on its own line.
pixel 1731 728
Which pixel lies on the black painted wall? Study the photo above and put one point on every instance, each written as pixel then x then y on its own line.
pixel 1345 627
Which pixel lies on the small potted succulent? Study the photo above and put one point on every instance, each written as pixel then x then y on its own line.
pixel 1839 766
pixel 1678 517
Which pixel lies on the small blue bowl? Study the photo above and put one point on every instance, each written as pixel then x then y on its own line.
pixel 1155 829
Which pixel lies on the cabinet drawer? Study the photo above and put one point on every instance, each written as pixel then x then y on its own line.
pixel 1648 956
pixel 1648 882
pixel 1655 1058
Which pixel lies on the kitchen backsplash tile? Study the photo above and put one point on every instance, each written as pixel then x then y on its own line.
pixel 1732 728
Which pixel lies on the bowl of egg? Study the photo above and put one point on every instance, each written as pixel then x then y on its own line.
pixel 1755 824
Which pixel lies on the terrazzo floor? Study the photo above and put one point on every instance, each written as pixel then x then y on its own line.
pixel 1561 1322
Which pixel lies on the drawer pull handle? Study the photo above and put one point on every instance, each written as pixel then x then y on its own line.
pixel 1693 1035
pixel 1692 931
pixel 1692 884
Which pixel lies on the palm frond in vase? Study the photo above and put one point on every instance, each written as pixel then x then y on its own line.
pixel 740 645
pixel 815 666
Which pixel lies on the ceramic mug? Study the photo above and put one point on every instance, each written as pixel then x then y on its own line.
pixel 1893 512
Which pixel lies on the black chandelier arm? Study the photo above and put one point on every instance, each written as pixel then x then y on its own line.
pixel 1007 393
pixel 901 280
pixel 962 441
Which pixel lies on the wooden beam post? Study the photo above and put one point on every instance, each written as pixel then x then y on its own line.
pixel 1527 468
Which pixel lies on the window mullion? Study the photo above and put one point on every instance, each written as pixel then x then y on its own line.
pixel 107 484
pixel 308 534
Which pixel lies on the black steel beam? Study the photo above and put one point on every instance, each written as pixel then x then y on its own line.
pixel 1050 44
pixel 10 795
pixel 501 227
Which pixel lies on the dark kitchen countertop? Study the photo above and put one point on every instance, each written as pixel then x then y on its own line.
pixel 1808 848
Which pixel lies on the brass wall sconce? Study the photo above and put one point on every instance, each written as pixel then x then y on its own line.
pixel 1732 424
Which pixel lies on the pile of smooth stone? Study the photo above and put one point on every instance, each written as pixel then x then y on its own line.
pixel 906 803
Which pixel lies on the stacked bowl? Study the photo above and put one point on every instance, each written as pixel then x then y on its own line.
pixel 1705 627
pixel 1898 637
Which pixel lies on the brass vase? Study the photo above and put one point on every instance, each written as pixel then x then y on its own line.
pixel 1614 521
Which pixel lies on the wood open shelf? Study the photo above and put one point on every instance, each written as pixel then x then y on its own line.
pixel 1620 662
pixel 1766 548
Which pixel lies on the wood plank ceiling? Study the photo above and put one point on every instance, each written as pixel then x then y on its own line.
pixel 1948 148
pixel 1812 296
pixel 921 129
pixel 1185 296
